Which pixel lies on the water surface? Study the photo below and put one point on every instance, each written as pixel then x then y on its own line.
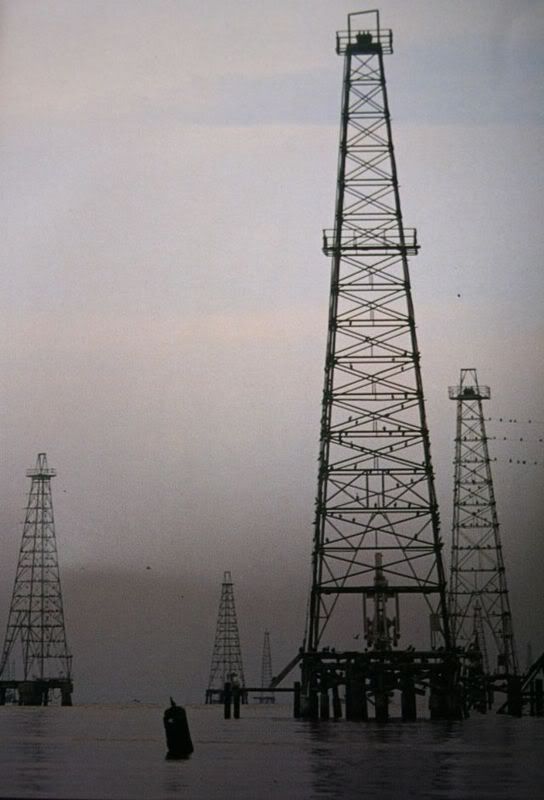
pixel 96 752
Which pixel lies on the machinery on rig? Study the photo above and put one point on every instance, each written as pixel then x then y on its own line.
pixel 36 663
pixel 378 622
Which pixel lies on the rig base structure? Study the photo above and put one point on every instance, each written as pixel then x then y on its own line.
pixel 36 692
pixel 381 685
pixel 365 685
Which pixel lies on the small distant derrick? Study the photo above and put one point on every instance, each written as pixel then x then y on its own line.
pixel 40 669
pixel 226 666
pixel 266 672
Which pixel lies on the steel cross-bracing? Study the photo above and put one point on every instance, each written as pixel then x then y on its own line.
pixel 35 656
pixel 226 666
pixel 481 620
pixel 377 526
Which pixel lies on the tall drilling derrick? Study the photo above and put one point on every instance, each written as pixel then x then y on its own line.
pixel 226 666
pixel 42 664
pixel 266 671
pixel 378 579
pixel 481 620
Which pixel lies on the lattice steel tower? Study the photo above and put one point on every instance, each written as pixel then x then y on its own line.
pixel 226 663
pixel 266 670
pixel 481 619
pixel 377 526
pixel 36 616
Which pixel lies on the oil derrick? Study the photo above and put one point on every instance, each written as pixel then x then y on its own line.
pixel 41 668
pixel 226 666
pixel 481 620
pixel 376 546
pixel 266 671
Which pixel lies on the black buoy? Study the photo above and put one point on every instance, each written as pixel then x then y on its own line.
pixel 178 736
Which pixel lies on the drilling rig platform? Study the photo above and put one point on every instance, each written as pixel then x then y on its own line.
pixel 40 669
pixel 479 605
pixel 378 623
pixel 227 667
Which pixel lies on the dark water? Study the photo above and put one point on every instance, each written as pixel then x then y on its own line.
pixel 118 752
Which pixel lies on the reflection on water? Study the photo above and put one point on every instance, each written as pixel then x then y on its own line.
pixel 174 785
pixel 479 758
pixel 28 755
pixel 118 752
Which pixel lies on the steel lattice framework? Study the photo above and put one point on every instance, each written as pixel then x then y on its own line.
pixel 226 663
pixel 36 616
pixel 377 525
pixel 481 619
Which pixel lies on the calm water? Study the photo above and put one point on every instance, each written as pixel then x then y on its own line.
pixel 118 752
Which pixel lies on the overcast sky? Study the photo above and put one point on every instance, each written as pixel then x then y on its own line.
pixel 167 167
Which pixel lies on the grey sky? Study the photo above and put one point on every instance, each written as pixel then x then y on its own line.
pixel 167 168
